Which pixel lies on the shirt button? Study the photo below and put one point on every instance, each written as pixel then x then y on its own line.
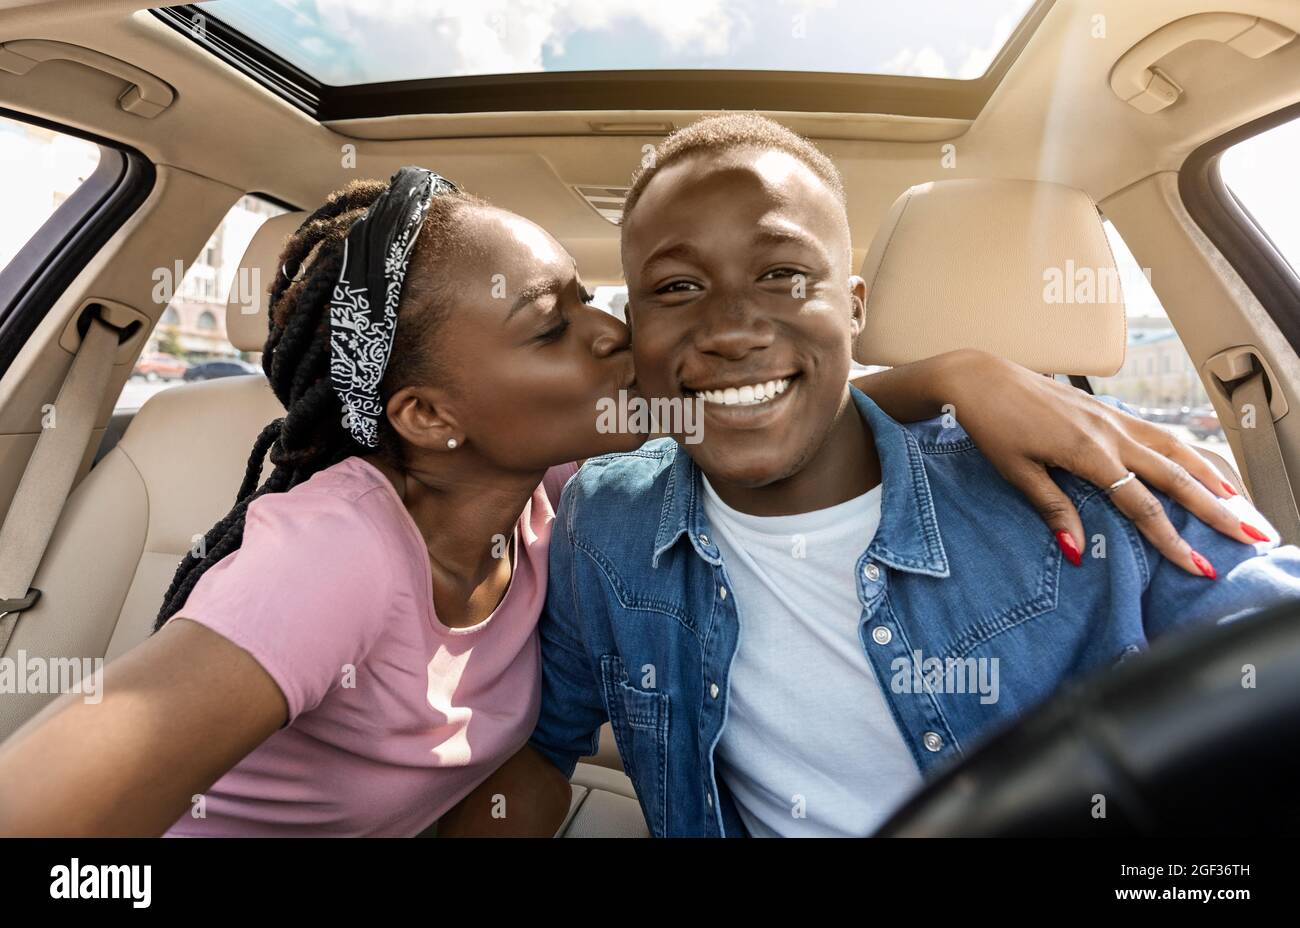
pixel 932 741
pixel 708 797
pixel 881 635
pixel 722 591
pixel 713 691
pixel 871 572
pixel 704 539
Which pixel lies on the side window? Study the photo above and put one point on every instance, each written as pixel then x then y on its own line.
pixel 1260 172
pixel 189 342
pixel 1158 378
pixel 39 169
pixel 612 299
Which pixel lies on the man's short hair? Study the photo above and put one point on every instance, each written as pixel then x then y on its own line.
pixel 732 132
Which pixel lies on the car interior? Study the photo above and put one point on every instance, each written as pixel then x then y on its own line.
pixel 1093 121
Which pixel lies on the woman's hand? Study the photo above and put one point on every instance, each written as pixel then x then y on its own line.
pixel 1024 423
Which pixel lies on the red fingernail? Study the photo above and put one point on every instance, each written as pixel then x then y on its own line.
pixel 1203 565
pixel 1228 488
pixel 1069 548
pixel 1253 532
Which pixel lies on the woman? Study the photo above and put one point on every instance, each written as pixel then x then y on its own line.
pixel 355 649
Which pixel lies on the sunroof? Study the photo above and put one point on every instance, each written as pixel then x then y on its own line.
pixel 343 43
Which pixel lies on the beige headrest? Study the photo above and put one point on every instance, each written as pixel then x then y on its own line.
pixel 1015 267
pixel 246 307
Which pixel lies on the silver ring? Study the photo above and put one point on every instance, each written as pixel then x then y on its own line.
pixel 1120 482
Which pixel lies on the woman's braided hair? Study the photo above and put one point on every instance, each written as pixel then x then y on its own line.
pixel 296 359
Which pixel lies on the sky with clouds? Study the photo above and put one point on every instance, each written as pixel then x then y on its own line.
pixel 1261 172
pixel 356 41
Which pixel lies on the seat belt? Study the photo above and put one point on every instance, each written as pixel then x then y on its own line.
pixel 50 472
pixel 1265 467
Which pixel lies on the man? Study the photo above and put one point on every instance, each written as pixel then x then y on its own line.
pixel 758 615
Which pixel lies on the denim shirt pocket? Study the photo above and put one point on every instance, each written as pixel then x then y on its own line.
pixel 639 719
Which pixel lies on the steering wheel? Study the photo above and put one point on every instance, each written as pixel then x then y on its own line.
pixel 1199 736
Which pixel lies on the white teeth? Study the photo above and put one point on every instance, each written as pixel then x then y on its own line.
pixel 748 395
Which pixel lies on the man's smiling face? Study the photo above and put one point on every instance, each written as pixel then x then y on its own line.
pixel 739 291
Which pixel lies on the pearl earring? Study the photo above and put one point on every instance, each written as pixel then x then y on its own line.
pixel 451 443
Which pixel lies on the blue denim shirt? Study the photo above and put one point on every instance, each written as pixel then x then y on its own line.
pixel 640 625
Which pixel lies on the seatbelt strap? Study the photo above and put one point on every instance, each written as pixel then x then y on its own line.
pixel 1265 467
pixel 50 471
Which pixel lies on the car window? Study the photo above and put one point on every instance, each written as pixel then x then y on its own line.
pixel 192 330
pixel 612 299
pixel 39 169
pixel 1158 380
pixel 1260 172
pixel 364 42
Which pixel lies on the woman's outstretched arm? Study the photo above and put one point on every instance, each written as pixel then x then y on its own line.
pixel 176 713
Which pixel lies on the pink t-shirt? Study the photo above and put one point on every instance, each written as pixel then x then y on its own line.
pixel 393 716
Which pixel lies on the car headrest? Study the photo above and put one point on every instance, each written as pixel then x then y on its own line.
pixel 1015 267
pixel 246 308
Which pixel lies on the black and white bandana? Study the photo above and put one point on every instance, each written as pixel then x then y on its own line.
pixel 363 308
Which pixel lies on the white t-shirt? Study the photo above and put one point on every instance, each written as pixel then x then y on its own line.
pixel 810 746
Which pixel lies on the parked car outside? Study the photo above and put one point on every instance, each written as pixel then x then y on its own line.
pixel 158 365
pixel 228 367
pixel 1203 422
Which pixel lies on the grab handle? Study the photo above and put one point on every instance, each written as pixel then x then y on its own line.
pixel 145 95
pixel 1138 83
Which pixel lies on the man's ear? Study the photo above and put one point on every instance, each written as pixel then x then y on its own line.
pixel 857 305
pixel 425 417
